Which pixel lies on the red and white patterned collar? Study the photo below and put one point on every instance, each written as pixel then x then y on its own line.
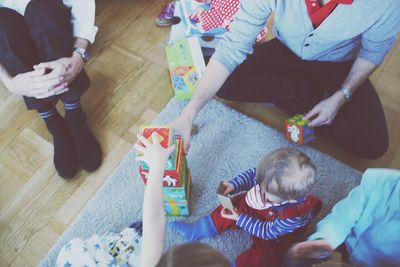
pixel 258 200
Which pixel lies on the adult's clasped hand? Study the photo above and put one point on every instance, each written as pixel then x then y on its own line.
pixel 36 84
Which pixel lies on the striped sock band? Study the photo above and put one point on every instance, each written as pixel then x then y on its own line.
pixel 71 106
pixel 47 114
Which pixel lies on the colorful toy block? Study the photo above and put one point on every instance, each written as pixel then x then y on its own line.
pixel 175 169
pixel 186 66
pixel 177 209
pixel 177 179
pixel 184 78
pixel 165 135
pixel 296 130
pixel 178 193
pixel 175 204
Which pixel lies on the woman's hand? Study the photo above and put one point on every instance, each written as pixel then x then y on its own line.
pixel 67 67
pixel 154 155
pixel 326 110
pixel 36 84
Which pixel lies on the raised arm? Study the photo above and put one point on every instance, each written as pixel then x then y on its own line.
pixel 156 158
pixel 231 51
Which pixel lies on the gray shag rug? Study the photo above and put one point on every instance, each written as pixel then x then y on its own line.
pixel 228 142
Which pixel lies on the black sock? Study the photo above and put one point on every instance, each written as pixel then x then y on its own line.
pixel 86 145
pixel 65 160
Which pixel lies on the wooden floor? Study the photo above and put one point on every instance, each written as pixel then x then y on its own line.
pixel 130 85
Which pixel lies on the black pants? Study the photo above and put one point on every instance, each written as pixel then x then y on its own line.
pixel 43 34
pixel 273 73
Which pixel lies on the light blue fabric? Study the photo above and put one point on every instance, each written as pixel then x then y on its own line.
pixel 367 220
pixel 366 28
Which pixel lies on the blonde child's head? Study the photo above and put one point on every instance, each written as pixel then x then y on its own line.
pixel 286 173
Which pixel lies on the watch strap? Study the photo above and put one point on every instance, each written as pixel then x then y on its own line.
pixel 83 53
pixel 347 93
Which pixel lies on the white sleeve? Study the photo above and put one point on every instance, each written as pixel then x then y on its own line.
pixel 82 18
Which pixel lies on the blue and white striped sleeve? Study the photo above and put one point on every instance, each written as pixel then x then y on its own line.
pixel 268 230
pixel 244 181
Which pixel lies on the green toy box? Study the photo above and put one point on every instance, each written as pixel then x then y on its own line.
pixel 186 66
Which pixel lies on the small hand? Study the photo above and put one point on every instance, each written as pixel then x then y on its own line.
pixel 315 249
pixel 230 214
pixel 36 84
pixel 66 67
pixel 325 110
pixel 183 127
pixel 228 188
pixel 196 17
pixel 154 155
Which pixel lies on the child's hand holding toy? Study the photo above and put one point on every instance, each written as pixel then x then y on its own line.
pixel 154 155
pixel 230 214
pixel 228 188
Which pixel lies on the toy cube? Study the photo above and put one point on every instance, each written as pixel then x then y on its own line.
pixel 175 188
pixel 175 169
pixel 186 66
pixel 177 204
pixel 176 182
pixel 178 193
pixel 177 208
pixel 296 130
pixel 184 79
pixel 165 135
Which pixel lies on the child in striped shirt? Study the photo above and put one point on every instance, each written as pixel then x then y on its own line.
pixel 272 202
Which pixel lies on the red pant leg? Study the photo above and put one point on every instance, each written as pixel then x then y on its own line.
pixel 263 253
pixel 268 253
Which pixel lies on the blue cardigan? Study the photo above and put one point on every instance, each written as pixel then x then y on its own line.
pixel 366 28
pixel 367 220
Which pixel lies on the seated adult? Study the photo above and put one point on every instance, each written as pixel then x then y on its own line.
pixel 42 53
pixel 365 225
pixel 318 64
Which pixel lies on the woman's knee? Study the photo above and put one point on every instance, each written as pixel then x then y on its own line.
pixel 376 148
pixel 9 18
pixel 222 93
pixel 228 90
pixel 369 145
pixel 38 12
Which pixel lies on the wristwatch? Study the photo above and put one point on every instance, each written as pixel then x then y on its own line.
pixel 83 53
pixel 347 93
